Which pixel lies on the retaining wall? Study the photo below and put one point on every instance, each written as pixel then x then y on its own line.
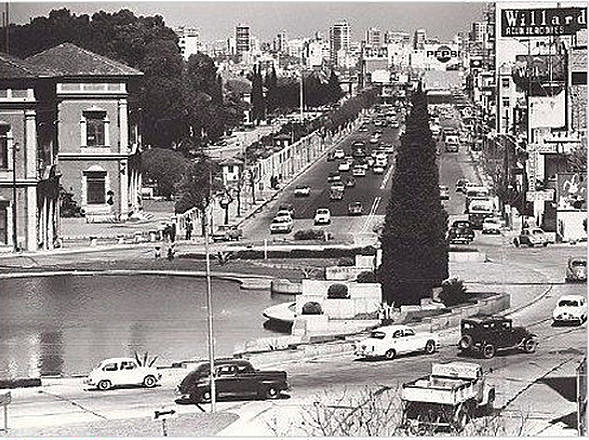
pixel 286 287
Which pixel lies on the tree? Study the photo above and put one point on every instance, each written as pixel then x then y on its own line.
pixel 415 252
pixel 257 95
pixel 200 182
pixel 272 97
pixel 334 90
pixel 165 167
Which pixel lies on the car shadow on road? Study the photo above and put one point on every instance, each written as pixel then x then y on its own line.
pixel 122 387
pixel 565 324
pixel 398 357
pixel 179 401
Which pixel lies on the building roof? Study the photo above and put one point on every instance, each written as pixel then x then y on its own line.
pixel 15 68
pixel 67 59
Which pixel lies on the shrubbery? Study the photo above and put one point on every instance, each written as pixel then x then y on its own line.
pixel 367 276
pixel 453 292
pixel 252 254
pixel 346 262
pixel 309 234
pixel 312 308
pixel 338 291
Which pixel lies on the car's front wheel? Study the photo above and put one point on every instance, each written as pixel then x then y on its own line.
pixel 465 343
pixel 390 354
pixel 149 382
pixel 430 347
pixel 272 392
pixel 530 345
pixel 205 396
pixel 104 385
pixel 489 351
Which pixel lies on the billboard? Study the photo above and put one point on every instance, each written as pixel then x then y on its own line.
pixel 544 75
pixel 443 53
pixel 571 191
pixel 375 52
pixel 542 22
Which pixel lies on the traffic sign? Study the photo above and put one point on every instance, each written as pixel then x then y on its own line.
pixel 5 398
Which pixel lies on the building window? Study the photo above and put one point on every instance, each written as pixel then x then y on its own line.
pixel 4 129
pixel 505 83
pixel 95 129
pixel 505 102
pixel 95 187
pixel 3 223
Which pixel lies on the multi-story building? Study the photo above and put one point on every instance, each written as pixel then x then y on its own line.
pixel 339 39
pixel 419 39
pixel 98 139
pixel 374 37
pixel 29 180
pixel 280 43
pixel 242 39
pixel 296 47
pixel 478 31
pixel 397 37
pixel 315 53
pixel 188 41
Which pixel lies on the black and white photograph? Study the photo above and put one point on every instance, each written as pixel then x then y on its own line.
pixel 293 219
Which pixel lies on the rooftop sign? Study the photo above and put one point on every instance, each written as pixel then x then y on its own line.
pixel 542 21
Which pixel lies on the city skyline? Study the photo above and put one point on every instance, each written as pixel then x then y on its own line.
pixel 266 19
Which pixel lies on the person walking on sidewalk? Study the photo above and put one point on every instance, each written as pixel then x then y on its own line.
pixel 189 228
pixel 173 232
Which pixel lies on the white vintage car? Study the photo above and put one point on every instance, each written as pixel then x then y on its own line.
pixel 570 309
pixel 122 371
pixel 393 340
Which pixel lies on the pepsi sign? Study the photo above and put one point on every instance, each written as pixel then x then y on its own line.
pixel 443 54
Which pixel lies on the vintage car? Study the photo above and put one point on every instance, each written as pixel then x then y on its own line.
pixel 531 237
pixel 350 182
pixel 322 216
pixel 334 177
pixel 485 334
pixel 227 233
pixel 378 169
pixel 120 372
pixel 491 225
pixel 393 340
pixel 358 171
pixel 233 378
pixel 576 270
pixel 461 184
pixel 444 192
pixel 339 153
pixel 570 309
pixel 461 231
pixel 344 166
pixel 330 157
pixel 281 224
pixel 355 208
pixel 302 191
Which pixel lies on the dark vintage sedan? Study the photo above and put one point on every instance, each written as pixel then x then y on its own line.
pixel 233 378
pixel 576 270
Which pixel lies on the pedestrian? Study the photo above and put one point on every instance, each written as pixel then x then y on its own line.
pixel 173 232
pixel 157 252
pixel 188 228
pixel 166 232
pixel 171 251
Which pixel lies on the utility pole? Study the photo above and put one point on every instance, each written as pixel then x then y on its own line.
pixel 211 339
pixel 15 150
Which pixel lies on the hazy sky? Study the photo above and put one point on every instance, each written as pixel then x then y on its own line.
pixel 216 20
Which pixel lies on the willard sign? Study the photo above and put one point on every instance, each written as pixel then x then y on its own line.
pixel 544 21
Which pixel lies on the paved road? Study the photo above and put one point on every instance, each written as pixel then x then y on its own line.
pixel 372 191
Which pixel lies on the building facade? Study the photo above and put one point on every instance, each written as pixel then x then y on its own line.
pixel 339 40
pixel 188 41
pixel 242 39
pixel 98 136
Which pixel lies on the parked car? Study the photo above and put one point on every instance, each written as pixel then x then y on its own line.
pixel 234 378
pixel 281 224
pixel 227 233
pixel 358 171
pixel 447 398
pixel 120 372
pixel 302 191
pixel 334 177
pixel 350 182
pixel 576 270
pixel 344 166
pixel 444 192
pixel 531 237
pixel 339 153
pixel 287 207
pixel 322 216
pixel 393 340
pixel 485 334
pixel 355 208
pixel 491 225
pixel 570 309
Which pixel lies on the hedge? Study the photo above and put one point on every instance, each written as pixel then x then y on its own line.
pixel 346 262
pixel 309 234
pixel 338 291
pixel 25 382
pixel 366 277
pixel 251 254
pixel 312 308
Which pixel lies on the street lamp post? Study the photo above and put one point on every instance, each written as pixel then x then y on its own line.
pixel 15 149
pixel 211 339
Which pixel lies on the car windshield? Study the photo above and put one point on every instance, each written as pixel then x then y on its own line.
pixel 281 219
pixel 322 211
pixel 377 335
pixel 579 263
pixel 568 303
pixel 537 231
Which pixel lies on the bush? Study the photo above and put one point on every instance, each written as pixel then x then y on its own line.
pixel 367 250
pixel 366 277
pixel 312 308
pixel 338 291
pixel 309 234
pixel 453 292
pixel 346 261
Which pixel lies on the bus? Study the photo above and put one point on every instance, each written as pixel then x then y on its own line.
pixel 479 209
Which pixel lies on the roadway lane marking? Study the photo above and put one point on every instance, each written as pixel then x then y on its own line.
pixel 371 214
pixel 387 176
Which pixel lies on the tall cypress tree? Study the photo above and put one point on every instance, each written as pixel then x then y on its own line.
pixel 334 90
pixel 415 251
pixel 257 95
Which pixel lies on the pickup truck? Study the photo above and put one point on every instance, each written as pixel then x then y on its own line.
pixel 227 233
pixel 233 378
pixel 448 398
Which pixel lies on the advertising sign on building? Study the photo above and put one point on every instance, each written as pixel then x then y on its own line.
pixel 375 52
pixel 542 22
pixel 540 74
pixel 443 53
pixel 571 191
pixel 540 196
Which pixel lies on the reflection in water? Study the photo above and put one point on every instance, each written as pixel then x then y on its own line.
pixel 67 324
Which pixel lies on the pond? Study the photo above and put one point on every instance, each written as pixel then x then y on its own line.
pixel 67 324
